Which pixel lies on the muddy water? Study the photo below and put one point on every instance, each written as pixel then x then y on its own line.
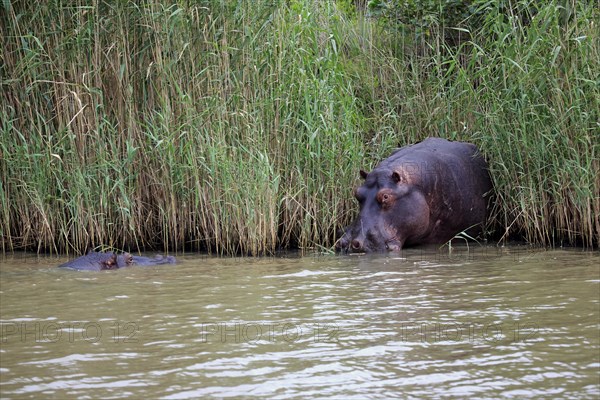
pixel 488 322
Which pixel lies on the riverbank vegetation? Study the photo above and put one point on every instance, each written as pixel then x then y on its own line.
pixel 240 126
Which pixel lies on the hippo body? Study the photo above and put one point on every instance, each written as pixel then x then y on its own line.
pixel 98 261
pixel 422 194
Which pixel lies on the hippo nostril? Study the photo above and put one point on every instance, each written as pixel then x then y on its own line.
pixel 356 244
pixel 393 246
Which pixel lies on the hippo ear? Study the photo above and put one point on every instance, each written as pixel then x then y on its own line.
pixel 396 177
pixel 363 174
pixel 111 262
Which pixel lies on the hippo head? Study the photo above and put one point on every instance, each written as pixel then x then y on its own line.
pixel 393 211
pixel 125 260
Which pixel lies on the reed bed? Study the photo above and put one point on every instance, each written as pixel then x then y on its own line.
pixel 239 127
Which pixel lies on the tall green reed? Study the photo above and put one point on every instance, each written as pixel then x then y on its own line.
pixel 525 89
pixel 206 125
pixel 238 127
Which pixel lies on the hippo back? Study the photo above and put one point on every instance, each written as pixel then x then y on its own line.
pixel 93 261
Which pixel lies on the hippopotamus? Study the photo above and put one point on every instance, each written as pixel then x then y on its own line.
pixel 98 261
pixel 424 193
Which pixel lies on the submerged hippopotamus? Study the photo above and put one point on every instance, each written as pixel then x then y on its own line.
pixel 97 261
pixel 422 194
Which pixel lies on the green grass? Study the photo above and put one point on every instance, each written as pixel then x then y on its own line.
pixel 240 127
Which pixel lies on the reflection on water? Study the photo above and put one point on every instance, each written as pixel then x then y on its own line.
pixel 491 322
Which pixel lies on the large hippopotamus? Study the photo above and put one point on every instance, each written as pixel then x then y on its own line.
pixel 98 261
pixel 422 194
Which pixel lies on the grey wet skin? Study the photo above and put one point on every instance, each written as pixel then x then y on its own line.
pixel 425 193
pixel 99 261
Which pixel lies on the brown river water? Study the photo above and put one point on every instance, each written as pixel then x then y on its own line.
pixel 483 322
